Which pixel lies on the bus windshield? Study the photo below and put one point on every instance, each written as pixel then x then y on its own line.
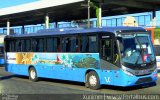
pixel 136 49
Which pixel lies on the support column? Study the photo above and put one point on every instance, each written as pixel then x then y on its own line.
pixel 99 16
pixel 47 21
pixel 89 14
pixel 56 25
pixel 23 30
pixel 116 21
pixel 154 18
pixel 8 27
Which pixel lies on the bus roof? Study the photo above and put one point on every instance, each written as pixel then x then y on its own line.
pixel 113 30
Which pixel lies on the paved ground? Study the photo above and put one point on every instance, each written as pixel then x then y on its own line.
pixel 14 84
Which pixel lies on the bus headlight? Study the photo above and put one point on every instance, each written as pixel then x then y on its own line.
pixel 155 70
pixel 126 72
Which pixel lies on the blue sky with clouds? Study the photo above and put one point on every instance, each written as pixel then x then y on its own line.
pixel 8 3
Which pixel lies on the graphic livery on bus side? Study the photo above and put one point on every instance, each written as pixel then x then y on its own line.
pixel 119 56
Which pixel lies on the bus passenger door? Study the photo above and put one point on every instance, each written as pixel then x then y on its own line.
pixel 108 66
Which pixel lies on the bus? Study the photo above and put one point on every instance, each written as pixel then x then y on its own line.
pixel 118 56
pixel 2 50
pixel 157 53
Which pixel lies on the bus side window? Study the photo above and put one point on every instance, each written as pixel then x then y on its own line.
pixel 49 43
pixel 93 44
pixel 74 44
pixel 55 44
pixel 77 45
pixel 34 45
pixel 58 45
pixel 65 42
pixel 84 45
pixel 8 47
pixel 12 46
pixel 18 45
pixel 69 44
pixel 28 45
pixel 23 46
pixel 40 47
pixel 52 44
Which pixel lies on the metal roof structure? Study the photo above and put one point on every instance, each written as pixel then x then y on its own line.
pixel 67 10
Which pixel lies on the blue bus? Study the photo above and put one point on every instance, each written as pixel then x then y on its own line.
pixel 2 50
pixel 118 56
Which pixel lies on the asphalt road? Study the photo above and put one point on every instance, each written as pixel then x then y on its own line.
pixel 14 84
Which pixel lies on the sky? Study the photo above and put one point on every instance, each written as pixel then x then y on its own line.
pixel 9 3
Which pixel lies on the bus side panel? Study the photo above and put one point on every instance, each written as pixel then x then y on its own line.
pixel 65 66
pixel 17 69
pixel 122 79
pixel 108 76
pixel 14 64
pixel 61 72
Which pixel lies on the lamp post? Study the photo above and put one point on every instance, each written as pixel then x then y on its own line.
pixel 88 13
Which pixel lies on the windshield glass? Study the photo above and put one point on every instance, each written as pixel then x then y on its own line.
pixel 136 49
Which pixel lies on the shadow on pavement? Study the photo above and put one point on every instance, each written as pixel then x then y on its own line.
pixel 130 88
pixel 62 81
pixel 7 77
pixel 103 86
pixel 82 84
pixel 12 76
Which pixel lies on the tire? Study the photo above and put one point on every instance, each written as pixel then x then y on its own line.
pixel 92 80
pixel 33 74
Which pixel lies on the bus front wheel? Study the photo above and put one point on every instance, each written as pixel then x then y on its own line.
pixel 92 80
pixel 33 74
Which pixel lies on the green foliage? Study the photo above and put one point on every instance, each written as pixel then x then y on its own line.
pixel 157 33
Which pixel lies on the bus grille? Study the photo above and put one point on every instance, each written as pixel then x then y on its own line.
pixel 144 80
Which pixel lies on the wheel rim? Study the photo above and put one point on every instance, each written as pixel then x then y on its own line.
pixel 33 74
pixel 93 80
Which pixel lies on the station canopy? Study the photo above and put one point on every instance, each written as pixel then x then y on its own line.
pixel 68 10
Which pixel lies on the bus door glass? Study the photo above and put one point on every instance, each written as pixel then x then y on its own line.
pixel 106 49
pixel 109 53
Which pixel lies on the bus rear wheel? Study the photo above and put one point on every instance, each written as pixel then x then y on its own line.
pixel 33 74
pixel 92 80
